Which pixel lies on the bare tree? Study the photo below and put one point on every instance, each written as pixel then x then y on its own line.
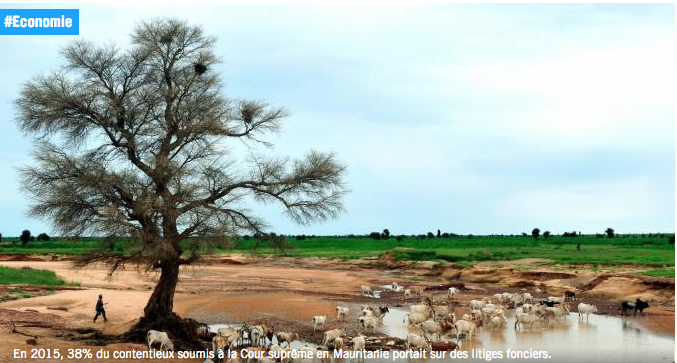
pixel 135 143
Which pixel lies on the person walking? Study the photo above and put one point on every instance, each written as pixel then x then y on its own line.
pixel 100 310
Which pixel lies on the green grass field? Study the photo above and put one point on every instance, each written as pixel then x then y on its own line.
pixel 643 250
pixel 29 276
pixel 664 272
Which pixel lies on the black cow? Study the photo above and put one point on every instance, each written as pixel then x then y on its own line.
pixel 625 306
pixel 549 303
pixel 641 305
pixel 637 305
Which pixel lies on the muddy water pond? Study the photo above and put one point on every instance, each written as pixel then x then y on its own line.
pixel 602 339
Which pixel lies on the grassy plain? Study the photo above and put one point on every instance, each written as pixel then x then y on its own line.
pixel 654 251
pixel 29 276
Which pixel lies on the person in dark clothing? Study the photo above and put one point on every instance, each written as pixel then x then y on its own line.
pixel 100 310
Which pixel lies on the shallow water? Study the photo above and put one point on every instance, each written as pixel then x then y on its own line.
pixel 602 339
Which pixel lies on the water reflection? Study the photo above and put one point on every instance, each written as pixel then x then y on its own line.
pixel 602 339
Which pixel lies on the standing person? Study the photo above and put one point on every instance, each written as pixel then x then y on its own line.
pixel 100 310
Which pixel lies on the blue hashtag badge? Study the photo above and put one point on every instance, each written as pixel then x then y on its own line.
pixel 40 21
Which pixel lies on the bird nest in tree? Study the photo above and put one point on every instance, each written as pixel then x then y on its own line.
pixel 200 68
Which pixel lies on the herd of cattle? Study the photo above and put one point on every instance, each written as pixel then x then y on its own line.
pixel 428 322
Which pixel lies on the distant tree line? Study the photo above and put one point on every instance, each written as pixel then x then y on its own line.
pixel 280 241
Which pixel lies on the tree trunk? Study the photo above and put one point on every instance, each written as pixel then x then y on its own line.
pixel 158 314
pixel 161 302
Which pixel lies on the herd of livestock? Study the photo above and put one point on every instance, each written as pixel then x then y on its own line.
pixel 431 324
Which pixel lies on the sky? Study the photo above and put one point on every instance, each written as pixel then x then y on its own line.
pixel 482 119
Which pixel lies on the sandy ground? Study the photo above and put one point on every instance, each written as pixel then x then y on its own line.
pixel 286 293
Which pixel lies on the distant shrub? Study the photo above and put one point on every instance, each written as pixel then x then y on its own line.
pixel 546 234
pixel 399 238
pixel 470 236
pixel 672 240
pixel 375 235
pixel 25 236
pixel 445 235
pixel 430 235
pixel 301 237
pixel 43 237
pixel 609 232
pixel 385 234
pixel 535 233
pixel 570 234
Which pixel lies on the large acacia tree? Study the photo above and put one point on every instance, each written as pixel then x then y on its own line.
pixel 134 143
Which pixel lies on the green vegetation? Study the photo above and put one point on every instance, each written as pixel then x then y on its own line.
pixel 644 250
pixel 465 264
pixel 61 246
pixel 28 276
pixel 633 249
pixel 664 272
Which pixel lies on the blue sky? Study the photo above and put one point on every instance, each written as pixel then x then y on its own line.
pixel 468 118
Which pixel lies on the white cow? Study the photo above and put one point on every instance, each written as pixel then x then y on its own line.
pixel 342 312
pixel 586 309
pixel 154 336
pixel 464 327
pixel 319 320
pixel 525 319
pixel 417 342
pixel 453 292
pixel 369 322
pixel 331 335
